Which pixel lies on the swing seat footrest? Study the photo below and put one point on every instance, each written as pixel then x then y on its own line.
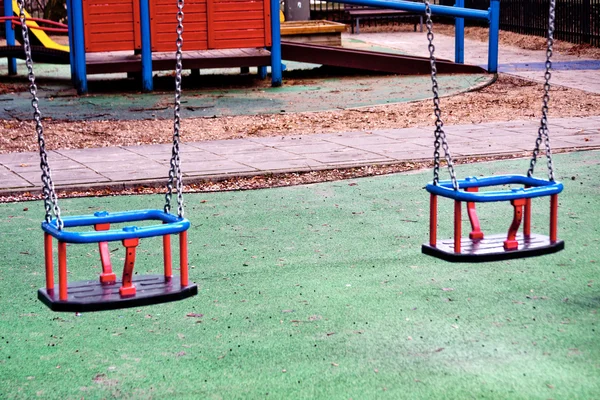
pixel 491 248
pixel 86 296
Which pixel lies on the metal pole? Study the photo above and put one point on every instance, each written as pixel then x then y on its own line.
pixel 10 36
pixel 459 36
pixel 447 11
pixel 494 12
pixel 147 84
pixel 79 47
pixel 276 73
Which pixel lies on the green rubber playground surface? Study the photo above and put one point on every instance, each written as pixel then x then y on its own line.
pixel 319 291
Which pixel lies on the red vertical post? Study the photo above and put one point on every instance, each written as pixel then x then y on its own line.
pixel 62 271
pixel 553 218
pixel 49 262
pixel 183 258
pixel 128 288
pixel 168 259
pixel 107 276
pixel 457 225
pixel 433 220
pixel 476 233
pixel 511 242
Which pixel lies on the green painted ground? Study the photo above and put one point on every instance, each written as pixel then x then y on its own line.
pixel 306 87
pixel 319 291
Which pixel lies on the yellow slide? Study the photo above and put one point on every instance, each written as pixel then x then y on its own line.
pixel 39 34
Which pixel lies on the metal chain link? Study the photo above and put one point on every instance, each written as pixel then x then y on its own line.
pixel 49 194
pixel 175 170
pixel 543 133
pixel 440 135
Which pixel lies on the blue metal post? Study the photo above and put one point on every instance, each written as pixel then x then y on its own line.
pixel 147 84
pixel 71 43
pixel 494 36
pixel 459 35
pixel 276 72
pixel 262 72
pixel 78 48
pixel 10 36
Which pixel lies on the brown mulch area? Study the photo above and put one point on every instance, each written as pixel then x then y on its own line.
pixel 508 99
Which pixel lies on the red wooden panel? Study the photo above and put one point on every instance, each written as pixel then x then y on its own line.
pixel 240 26
pixel 165 38
pixel 238 16
pixel 101 9
pixel 239 43
pixel 247 34
pixel 187 32
pixel 110 18
pixel 109 28
pixel 171 10
pixel 111 37
pixel 111 25
pixel 248 6
pixel 164 24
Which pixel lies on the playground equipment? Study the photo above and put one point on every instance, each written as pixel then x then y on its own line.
pixel 479 247
pixel 110 292
pixel 130 36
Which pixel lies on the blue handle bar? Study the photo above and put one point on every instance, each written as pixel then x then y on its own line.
pixel 171 224
pixel 538 188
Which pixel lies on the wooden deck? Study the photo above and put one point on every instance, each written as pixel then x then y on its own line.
pixel 125 61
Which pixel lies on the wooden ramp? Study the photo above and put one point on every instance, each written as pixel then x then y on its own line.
pixel 371 60
pixel 125 61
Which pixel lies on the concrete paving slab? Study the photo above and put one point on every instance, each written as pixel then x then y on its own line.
pixel 385 148
pixel 264 155
pixel 103 154
pixel 226 147
pixel 299 165
pixel 201 168
pixel 580 140
pixel 482 149
pixel 55 165
pixel 348 155
pixel 9 179
pixel 27 158
pixel 359 140
pixel 66 177
pixel 314 147
pixel 407 133
pixel 294 140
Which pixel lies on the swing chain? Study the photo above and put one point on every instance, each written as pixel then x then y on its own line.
pixel 543 133
pixel 175 170
pixel 440 135
pixel 49 194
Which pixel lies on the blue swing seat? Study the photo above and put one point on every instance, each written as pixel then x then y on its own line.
pixel 171 224
pixel 537 188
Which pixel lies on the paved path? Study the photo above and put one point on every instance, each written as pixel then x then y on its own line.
pixel 124 166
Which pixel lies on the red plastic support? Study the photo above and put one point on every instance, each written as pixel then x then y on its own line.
pixel 107 277
pixel 128 288
pixel 49 262
pixel 62 271
pixel 433 220
pixel 183 258
pixel 168 258
pixel 553 218
pixel 511 242
pixel 457 225
pixel 476 233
